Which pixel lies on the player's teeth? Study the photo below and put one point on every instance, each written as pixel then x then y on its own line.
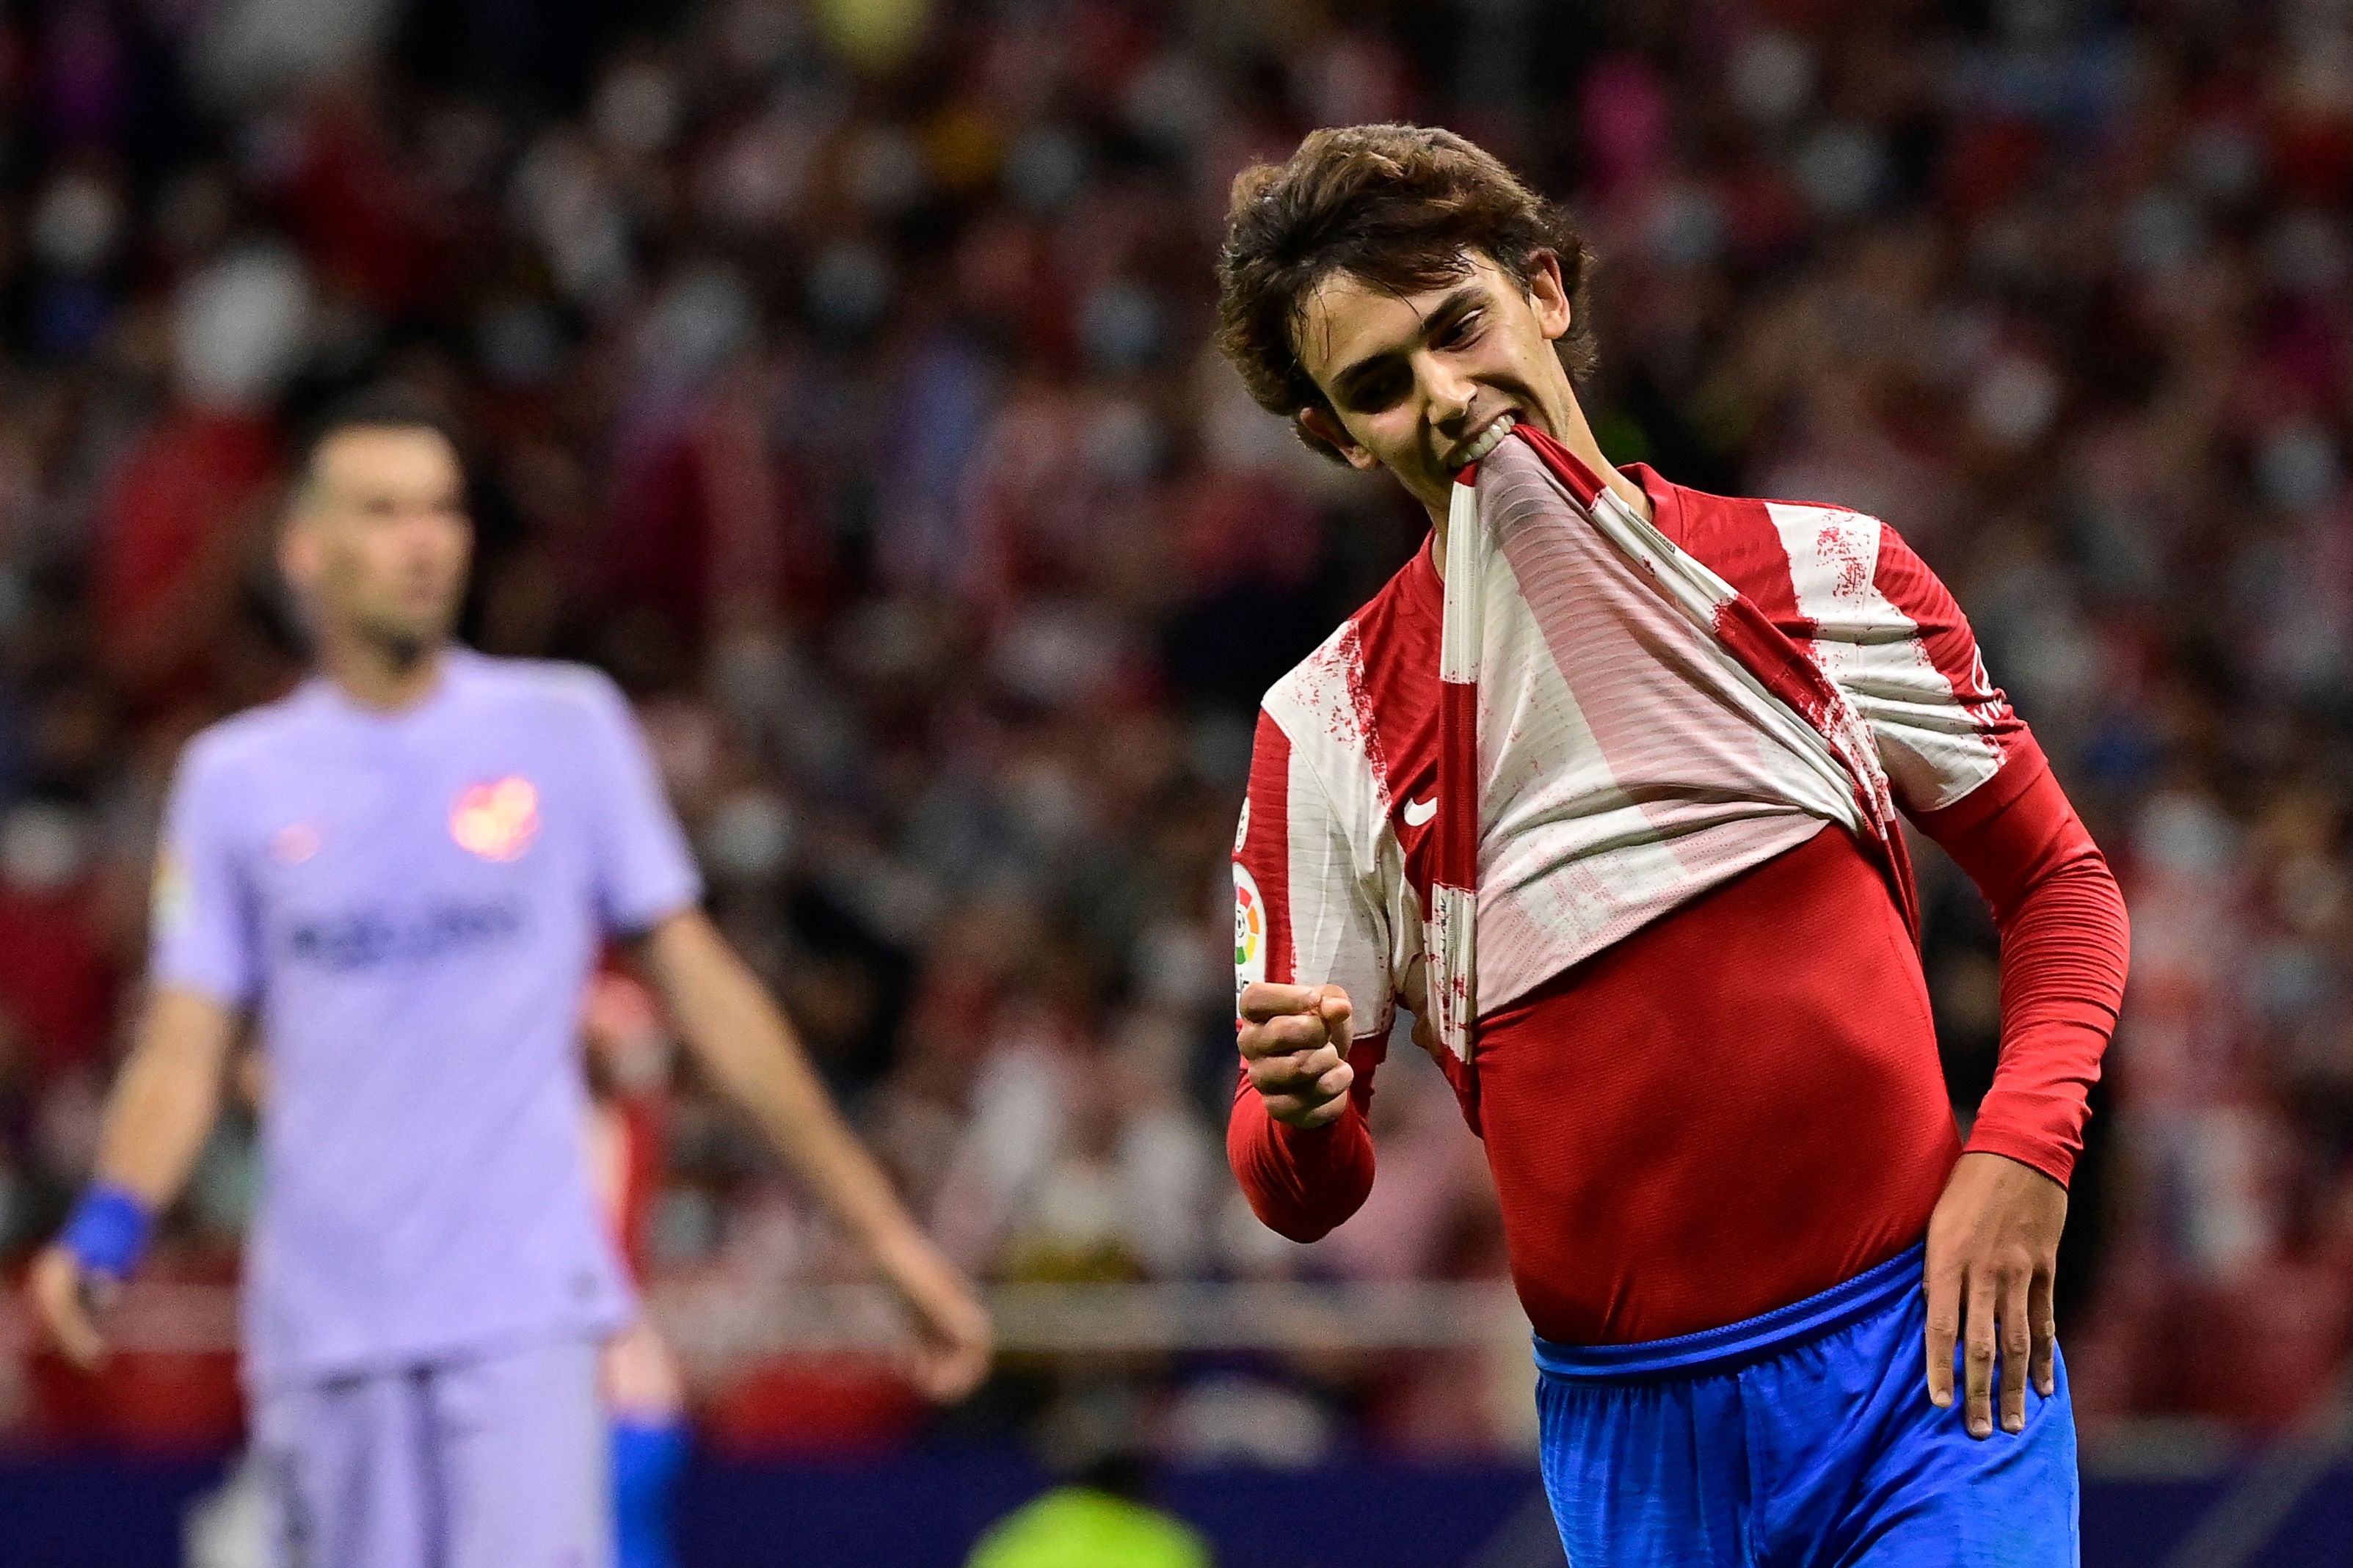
pixel 1487 442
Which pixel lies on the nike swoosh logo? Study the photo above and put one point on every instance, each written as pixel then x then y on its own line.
pixel 1417 811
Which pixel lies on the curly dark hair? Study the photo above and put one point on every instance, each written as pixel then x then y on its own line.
pixel 1397 206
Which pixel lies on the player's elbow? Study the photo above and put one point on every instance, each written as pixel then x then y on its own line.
pixel 1304 1222
pixel 1292 1227
pixel 1300 1193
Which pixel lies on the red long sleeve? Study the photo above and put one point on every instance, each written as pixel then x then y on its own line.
pixel 2065 944
pixel 1302 1183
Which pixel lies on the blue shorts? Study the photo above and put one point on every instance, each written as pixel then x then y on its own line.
pixel 1802 1438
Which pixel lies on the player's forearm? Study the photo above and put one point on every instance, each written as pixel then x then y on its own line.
pixel 1301 1182
pixel 2064 951
pixel 752 1056
pixel 166 1098
pixel 2063 973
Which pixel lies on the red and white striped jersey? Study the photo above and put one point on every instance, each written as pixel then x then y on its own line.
pixel 1644 732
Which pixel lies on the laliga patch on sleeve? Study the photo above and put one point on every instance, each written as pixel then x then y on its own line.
pixel 1249 930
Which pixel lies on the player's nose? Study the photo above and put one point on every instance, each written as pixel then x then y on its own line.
pixel 1450 398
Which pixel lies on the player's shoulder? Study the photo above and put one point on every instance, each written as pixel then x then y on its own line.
pixel 1378 657
pixel 1768 548
pixel 558 689
pixel 1704 510
pixel 1809 510
pixel 1819 526
pixel 244 738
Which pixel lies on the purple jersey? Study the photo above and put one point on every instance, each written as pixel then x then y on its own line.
pixel 412 903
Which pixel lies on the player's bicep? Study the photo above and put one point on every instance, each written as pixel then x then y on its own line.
pixel 204 921
pixel 675 953
pixel 192 1030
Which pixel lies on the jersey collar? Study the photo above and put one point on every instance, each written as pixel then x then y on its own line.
pixel 1425 591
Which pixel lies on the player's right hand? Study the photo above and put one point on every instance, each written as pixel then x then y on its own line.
pixel 65 1299
pixel 1294 1043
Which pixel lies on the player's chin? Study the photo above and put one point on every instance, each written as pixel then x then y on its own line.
pixel 422 628
pixel 1426 482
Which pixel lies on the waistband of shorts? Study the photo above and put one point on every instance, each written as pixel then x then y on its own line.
pixel 1747 1341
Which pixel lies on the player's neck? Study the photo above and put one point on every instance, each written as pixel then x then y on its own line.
pixel 1576 435
pixel 373 675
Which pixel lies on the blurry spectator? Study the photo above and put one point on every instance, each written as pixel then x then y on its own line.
pixel 55 979
pixel 1097 1520
pixel 188 508
pixel 1101 1512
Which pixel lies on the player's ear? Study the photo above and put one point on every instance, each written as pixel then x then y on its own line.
pixel 1319 424
pixel 1549 294
pixel 298 548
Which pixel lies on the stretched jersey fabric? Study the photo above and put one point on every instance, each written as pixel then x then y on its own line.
pixel 1669 1131
pixel 1629 759
pixel 412 903
pixel 1716 671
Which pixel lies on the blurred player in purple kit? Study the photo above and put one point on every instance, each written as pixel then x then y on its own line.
pixel 403 870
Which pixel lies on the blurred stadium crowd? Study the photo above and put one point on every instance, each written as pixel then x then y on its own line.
pixel 836 375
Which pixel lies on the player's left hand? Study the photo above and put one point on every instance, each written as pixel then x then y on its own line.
pixel 68 1301
pixel 954 1340
pixel 1993 1253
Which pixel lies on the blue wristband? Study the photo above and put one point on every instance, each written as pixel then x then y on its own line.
pixel 107 1231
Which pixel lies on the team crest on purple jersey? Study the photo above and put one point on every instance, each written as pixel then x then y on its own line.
pixel 496 821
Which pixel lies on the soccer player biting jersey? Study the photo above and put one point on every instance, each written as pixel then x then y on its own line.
pixel 405 871
pixel 1603 786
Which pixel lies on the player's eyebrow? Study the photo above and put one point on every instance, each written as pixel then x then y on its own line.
pixel 1441 316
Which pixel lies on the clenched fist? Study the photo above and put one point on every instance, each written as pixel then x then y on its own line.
pixel 1294 1043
